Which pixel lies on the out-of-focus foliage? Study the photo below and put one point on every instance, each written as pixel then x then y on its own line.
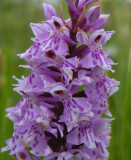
pixel 15 33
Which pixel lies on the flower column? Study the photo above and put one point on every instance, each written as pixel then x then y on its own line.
pixel 64 96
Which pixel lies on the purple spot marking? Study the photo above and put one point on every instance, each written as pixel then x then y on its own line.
pixel 23 132
pixel 22 155
pixel 34 145
pixel 33 75
pixel 14 148
pixel 94 62
pixel 30 80
pixel 37 153
pixel 57 25
pixel 13 139
pixel 93 54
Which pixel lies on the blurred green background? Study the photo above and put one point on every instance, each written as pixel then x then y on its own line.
pixel 15 34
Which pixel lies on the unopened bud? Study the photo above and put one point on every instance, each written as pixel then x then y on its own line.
pixel 93 14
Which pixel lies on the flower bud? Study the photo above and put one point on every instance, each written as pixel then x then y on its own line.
pixel 99 23
pixel 93 14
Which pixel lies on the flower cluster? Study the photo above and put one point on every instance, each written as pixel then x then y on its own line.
pixel 64 96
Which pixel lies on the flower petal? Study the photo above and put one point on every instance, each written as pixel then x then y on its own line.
pixel 49 11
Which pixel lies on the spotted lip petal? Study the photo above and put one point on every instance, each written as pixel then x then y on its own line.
pixel 14 144
pixel 82 134
pixel 25 155
pixel 33 55
pixel 95 56
pixel 33 85
pixel 33 137
pixel 99 152
pixel 102 86
pixel 72 110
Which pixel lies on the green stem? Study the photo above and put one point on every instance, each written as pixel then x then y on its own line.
pixel 125 110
